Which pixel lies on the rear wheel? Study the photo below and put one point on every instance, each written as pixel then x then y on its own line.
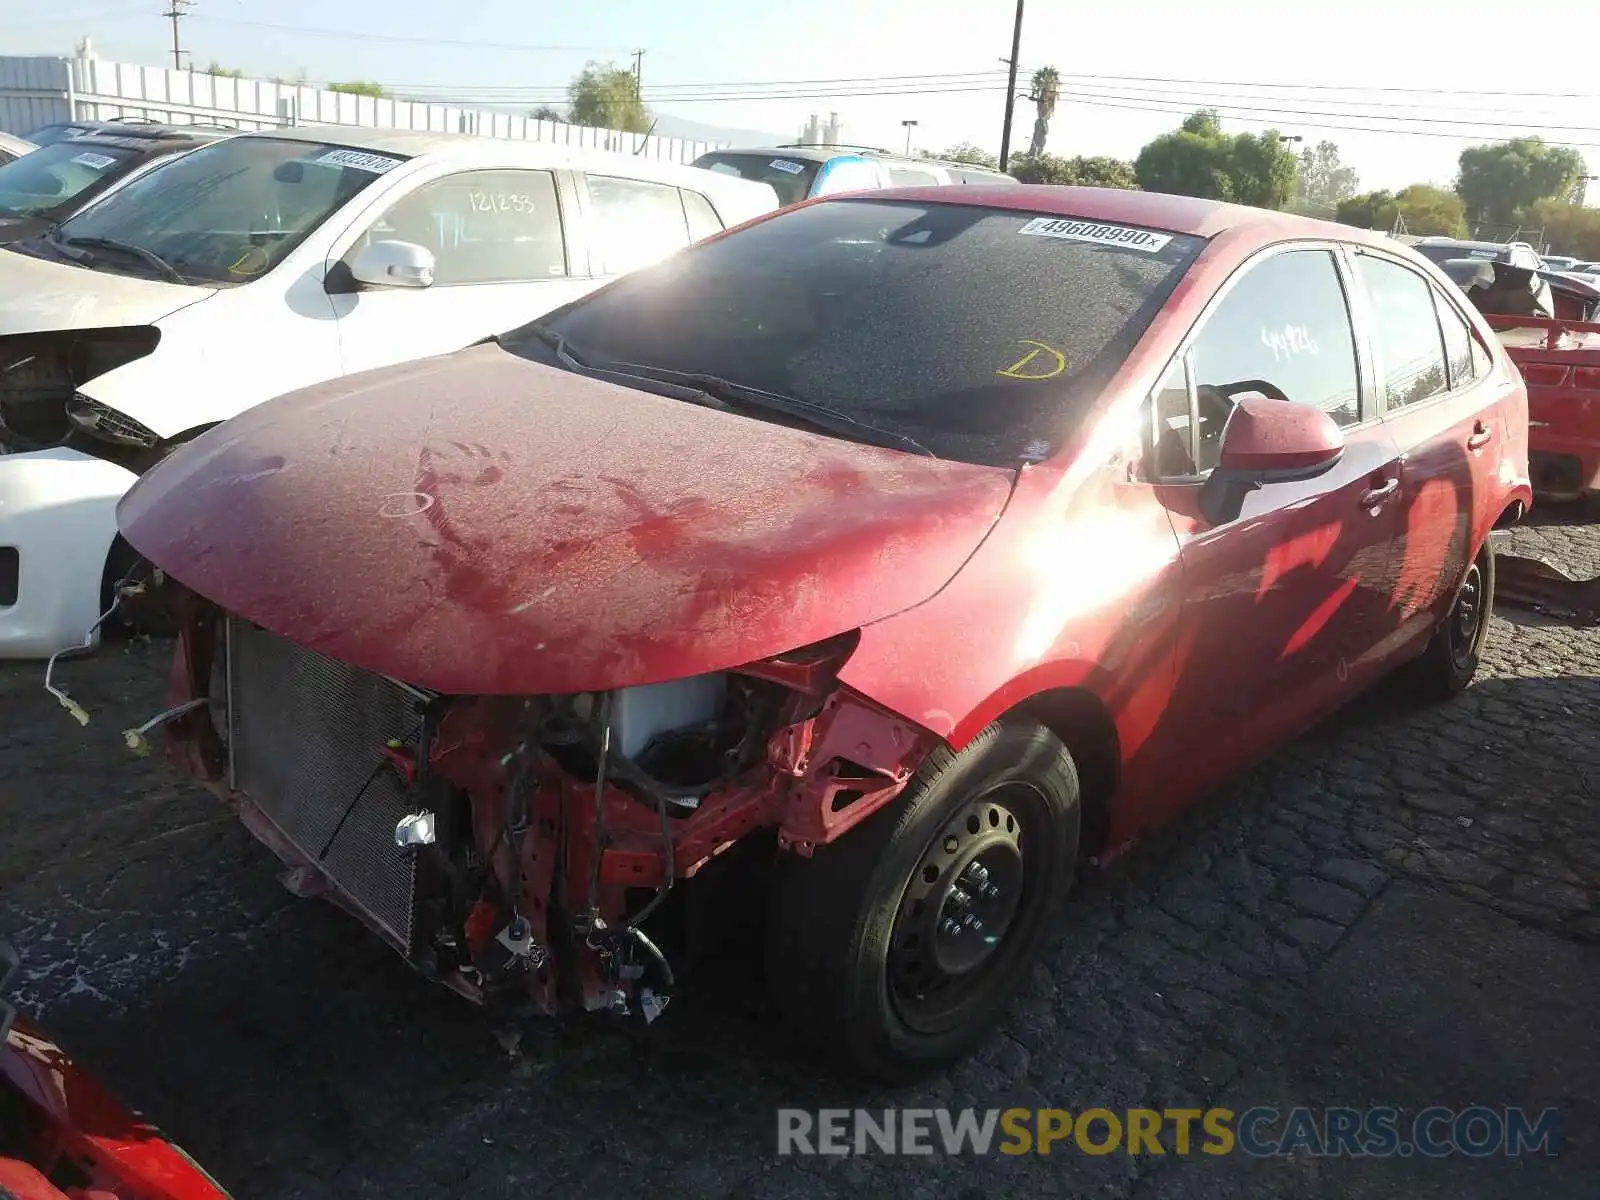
pixel 898 946
pixel 1447 666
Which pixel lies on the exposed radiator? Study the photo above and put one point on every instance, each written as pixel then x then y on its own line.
pixel 306 735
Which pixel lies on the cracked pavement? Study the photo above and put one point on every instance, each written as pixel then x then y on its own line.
pixel 1400 908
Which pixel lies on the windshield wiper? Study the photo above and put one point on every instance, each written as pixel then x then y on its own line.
pixel 742 395
pixel 148 257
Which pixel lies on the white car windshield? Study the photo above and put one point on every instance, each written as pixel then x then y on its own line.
pixel 224 214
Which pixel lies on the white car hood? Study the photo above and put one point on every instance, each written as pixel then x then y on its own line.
pixel 37 296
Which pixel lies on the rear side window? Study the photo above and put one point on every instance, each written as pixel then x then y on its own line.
pixel 1405 329
pixel 636 222
pixel 1461 363
pixel 1285 323
pixel 906 177
pixel 849 175
pixel 982 334
pixel 703 219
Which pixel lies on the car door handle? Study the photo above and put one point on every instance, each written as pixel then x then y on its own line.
pixel 1377 495
pixel 1480 438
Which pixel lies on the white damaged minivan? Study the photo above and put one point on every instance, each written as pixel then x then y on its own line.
pixel 265 263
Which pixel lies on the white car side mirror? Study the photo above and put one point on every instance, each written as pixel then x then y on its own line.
pixel 393 264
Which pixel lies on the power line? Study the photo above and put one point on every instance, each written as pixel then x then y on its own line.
pixel 366 36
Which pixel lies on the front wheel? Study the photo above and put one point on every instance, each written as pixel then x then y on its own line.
pixel 898 946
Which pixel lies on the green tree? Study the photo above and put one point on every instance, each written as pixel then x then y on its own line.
pixel 218 69
pixel 1192 160
pixel 358 88
pixel 1324 179
pixel 546 113
pixel 1498 179
pixel 607 97
pixel 1084 172
pixel 1044 91
pixel 1200 159
pixel 1425 209
pixel 966 152
pixel 1569 228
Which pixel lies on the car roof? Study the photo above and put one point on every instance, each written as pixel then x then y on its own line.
pixel 803 153
pixel 1153 210
pixel 151 137
pixel 485 152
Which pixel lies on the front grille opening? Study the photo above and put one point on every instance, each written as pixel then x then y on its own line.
pixel 10 575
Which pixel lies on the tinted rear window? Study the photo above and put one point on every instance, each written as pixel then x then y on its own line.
pixel 980 333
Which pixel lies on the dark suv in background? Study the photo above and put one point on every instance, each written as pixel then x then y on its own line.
pixel 40 190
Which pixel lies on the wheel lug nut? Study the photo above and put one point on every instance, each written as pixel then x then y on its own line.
pixel 951 927
pixel 973 923
pixel 989 891
pixel 958 899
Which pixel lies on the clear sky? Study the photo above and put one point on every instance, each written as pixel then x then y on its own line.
pixel 1131 68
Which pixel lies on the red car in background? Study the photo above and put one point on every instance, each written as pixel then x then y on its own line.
pixel 950 535
pixel 63 1137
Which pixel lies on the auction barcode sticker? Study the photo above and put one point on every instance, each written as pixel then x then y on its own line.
pixel 360 160
pixel 1093 231
pixel 95 162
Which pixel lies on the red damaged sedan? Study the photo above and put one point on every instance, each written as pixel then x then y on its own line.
pixel 919 546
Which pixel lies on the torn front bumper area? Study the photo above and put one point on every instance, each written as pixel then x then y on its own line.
pixel 512 846
pixel 62 1137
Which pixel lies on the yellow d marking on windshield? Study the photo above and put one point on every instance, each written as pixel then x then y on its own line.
pixel 252 262
pixel 1054 364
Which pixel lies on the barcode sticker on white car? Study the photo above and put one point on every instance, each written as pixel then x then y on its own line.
pixel 1094 231
pixel 95 162
pixel 359 160
pixel 783 164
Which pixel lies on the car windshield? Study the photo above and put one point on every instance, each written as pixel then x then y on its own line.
pixel 981 334
pixel 224 214
pixel 53 178
pixel 791 178
pixel 49 135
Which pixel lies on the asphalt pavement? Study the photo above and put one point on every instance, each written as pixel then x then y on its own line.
pixel 1399 909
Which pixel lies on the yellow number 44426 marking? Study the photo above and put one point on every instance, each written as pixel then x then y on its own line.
pixel 1041 362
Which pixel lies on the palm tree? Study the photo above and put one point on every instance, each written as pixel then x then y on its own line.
pixel 1044 91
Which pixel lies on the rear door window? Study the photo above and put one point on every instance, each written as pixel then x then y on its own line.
pixel 703 219
pixel 1405 331
pixel 636 222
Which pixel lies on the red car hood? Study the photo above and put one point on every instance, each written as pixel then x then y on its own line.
pixel 484 524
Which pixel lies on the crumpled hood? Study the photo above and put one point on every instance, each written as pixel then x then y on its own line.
pixel 483 524
pixel 37 296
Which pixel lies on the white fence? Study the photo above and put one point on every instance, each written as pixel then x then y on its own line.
pixel 38 91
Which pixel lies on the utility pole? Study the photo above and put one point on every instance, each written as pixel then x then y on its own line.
pixel 910 125
pixel 1011 87
pixel 638 75
pixel 175 14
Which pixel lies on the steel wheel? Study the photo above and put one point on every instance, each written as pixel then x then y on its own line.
pixel 1466 616
pixel 961 903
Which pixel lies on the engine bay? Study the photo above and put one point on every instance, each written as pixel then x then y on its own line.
pixel 40 407
pixel 515 847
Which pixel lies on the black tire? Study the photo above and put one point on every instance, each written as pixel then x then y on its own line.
pixel 842 925
pixel 1446 667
